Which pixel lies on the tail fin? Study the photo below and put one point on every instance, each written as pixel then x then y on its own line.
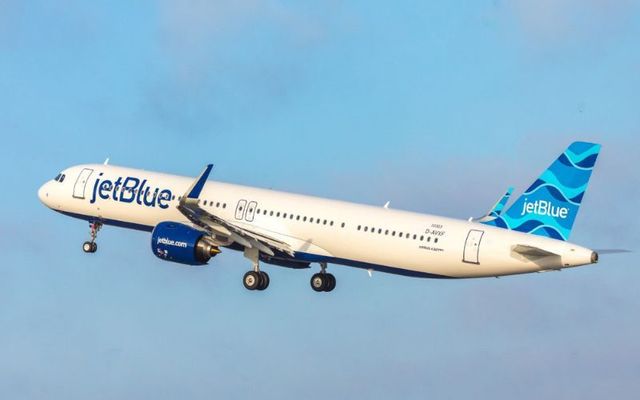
pixel 550 206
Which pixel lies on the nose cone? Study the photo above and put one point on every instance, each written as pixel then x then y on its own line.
pixel 43 194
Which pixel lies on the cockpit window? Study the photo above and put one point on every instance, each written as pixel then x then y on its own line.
pixel 57 178
pixel 62 178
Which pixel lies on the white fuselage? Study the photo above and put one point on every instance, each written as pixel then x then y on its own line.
pixel 318 230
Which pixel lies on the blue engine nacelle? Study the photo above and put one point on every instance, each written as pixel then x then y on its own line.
pixel 172 241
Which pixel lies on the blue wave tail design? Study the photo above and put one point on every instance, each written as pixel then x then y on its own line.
pixel 550 205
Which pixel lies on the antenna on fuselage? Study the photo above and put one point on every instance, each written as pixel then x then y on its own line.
pixel 106 162
pixel 387 204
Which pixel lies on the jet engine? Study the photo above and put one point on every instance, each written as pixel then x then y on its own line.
pixel 180 243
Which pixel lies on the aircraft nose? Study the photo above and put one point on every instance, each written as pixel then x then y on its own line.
pixel 43 194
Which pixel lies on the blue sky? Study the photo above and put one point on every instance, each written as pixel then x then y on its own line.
pixel 437 107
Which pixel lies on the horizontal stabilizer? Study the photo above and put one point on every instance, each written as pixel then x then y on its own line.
pixel 531 251
pixel 497 209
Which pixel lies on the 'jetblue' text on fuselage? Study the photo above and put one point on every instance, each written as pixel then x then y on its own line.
pixel 130 190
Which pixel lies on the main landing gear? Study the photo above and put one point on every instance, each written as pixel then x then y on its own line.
pixel 91 246
pixel 255 279
pixel 259 280
pixel 323 281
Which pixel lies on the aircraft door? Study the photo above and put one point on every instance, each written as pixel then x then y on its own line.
pixel 251 211
pixel 472 247
pixel 241 209
pixel 81 183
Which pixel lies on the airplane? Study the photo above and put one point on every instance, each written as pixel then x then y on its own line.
pixel 192 220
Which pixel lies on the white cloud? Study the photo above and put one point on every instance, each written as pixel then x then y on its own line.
pixel 562 21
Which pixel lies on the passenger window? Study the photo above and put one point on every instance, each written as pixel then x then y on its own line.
pixel 278 215
pixel 393 233
pixel 415 237
pixel 386 232
pixel 311 220
pixel 379 231
pixel 271 214
pixel 284 215
pixel 429 239
pixel 297 218
pixel 421 238
pixel 324 222
pixel 366 229
pixel 343 224
pixel 224 205
pixel 304 219
pixel 435 240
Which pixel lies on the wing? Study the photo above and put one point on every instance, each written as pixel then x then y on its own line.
pixel 217 226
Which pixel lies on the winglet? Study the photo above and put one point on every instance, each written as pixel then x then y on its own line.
pixel 196 188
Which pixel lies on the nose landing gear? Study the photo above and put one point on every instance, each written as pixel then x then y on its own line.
pixel 91 246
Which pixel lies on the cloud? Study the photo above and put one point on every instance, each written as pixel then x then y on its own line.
pixel 558 22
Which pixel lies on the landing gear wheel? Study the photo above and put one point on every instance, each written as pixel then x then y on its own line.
pixel 318 282
pixel 264 281
pixel 89 247
pixel 331 283
pixel 251 280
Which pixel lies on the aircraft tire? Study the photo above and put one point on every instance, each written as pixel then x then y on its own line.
pixel 331 283
pixel 318 282
pixel 88 247
pixel 251 280
pixel 264 280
